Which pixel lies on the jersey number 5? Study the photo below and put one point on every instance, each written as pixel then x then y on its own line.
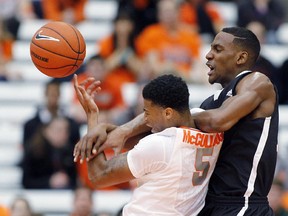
pixel 202 167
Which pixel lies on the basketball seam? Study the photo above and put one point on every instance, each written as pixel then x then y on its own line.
pixel 78 52
pixel 57 53
pixel 78 44
pixel 55 68
pixel 76 59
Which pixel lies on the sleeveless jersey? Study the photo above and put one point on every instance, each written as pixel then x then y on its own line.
pixel 172 169
pixel 247 159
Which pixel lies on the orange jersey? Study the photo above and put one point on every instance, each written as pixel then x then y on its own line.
pixel 52 9
pixel 6 49
pixel 188 14
pixel 4 211
pixel 179 48
pixel 118 76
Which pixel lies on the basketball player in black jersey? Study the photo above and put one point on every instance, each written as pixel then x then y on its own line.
pixel 246 110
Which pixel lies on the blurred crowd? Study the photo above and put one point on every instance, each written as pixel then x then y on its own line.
pixel 149 38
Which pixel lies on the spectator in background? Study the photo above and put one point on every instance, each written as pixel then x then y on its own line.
pixel 144 12
pixel 109 98
pixel 12 12
pixel 283 89
pixel 6 44
pixel 268 12
pixel 4 211
pixel 48 161
pixel 70 11
pixel 6 41
pixel 50 108
pixel 121 63
pixel 36 6
pixel 168 45
pixel 275 198
pixel 202 16
pixel 82 202
pixel 263 64
pixel 21 207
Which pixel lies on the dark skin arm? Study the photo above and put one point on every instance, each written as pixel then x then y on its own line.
pixel 255 96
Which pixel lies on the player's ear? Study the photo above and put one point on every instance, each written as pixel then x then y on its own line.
pixel 169 113
pixel 242 57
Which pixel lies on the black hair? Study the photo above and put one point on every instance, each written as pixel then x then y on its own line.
pixel 246 39
pixel 52 82
pixel 168 91
pixel 124 14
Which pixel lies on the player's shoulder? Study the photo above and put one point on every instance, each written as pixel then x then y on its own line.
pixel 256 80
pixel 168 132
pixel 258 76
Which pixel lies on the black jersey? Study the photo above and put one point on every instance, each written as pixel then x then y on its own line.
pixel 247 160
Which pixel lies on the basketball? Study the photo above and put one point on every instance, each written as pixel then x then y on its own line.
pixel 57 49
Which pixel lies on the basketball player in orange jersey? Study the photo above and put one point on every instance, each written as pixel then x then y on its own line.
pixel 246 110
pixel 172 166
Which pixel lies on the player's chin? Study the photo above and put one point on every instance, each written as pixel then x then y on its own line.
pixel 211 80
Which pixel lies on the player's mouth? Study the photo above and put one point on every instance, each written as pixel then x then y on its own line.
pixel 211 68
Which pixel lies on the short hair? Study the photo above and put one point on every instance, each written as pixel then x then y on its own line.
pixel 246 39
pixel 52 82
pixel 168 91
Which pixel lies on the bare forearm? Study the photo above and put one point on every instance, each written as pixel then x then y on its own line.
pixel 135 127
pixel 103 172
pixel 96 170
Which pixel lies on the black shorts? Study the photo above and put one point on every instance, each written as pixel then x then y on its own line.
pixel 235 206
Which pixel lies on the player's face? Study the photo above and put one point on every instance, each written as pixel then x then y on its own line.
pixel 154 116
pixel 222 59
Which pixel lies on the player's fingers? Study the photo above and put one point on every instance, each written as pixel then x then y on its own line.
pixel 76 87
pixel 95 91
pixel 86 83
pixel 76 152
pixel 89 101
pixel 101 148
pixel 89 148
pixel 99 145
pixel 93 87
pixel 83 149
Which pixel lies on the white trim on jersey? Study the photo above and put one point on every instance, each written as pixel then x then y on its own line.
pixel 256 159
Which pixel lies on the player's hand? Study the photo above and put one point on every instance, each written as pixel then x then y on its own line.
pixel 87 146
pixel 116 139
pixel 85 93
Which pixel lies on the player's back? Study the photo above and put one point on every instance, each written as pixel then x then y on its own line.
pixel 178 177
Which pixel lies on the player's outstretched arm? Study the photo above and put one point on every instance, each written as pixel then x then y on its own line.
pixel 127 134
pixel 107 135
pixel 101 172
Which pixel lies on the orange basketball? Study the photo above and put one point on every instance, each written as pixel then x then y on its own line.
pixel 57 49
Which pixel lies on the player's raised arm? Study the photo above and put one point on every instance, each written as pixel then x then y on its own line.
pixel 83 149
pixel 100 169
